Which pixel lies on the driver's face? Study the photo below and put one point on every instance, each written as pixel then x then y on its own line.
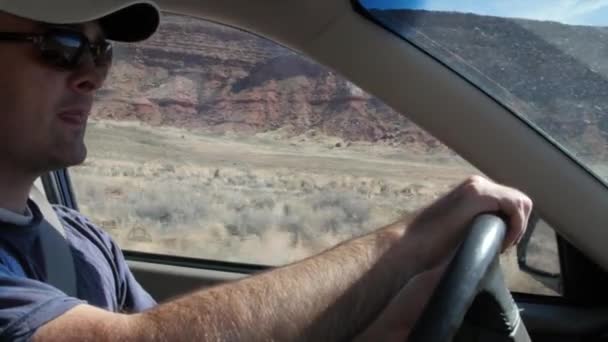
pixel 44 109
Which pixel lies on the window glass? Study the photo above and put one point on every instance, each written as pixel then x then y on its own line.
pixel 213 143
pixel 546 61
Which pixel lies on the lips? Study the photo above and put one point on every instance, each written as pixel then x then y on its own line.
pixel 76 117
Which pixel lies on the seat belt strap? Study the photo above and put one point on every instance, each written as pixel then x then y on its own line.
pixel 58 259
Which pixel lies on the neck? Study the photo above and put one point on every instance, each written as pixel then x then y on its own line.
pixel 15 189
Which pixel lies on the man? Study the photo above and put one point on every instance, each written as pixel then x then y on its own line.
pixel 53 57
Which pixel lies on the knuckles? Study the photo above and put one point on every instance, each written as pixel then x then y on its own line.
pixel 474 186
pixel 477 187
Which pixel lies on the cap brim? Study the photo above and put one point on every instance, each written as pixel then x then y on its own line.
pixel 122 20
pixel 131 24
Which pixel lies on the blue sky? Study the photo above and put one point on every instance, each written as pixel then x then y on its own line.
pixel 579 12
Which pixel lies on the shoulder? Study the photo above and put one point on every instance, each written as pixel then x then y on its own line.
pixel 76 220
pixel 80 228
pixel 73 216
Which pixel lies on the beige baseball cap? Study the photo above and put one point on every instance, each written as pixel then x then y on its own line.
pixel 122 20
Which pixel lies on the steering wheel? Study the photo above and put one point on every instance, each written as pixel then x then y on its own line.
pixel 472 302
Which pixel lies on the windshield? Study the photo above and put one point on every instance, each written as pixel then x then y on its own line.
pixel 547 60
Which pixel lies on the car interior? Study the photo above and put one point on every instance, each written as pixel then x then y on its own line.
pixel 506 147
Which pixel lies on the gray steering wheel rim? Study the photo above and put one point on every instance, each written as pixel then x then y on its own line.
pixel 473 284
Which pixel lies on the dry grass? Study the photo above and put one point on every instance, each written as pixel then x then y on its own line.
pixel 255 199
pixel 232 213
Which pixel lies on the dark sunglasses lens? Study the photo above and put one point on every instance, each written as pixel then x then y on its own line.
pixel 103 54
pixel 62 50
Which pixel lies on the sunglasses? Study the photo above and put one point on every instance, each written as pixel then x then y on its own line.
pixel 64 48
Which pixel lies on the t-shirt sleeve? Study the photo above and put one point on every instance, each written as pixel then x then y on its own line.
pixel 26 305
pixel 133 296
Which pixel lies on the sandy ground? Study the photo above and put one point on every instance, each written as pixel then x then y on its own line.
pixel 263 199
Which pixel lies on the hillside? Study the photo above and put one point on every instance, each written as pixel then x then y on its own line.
pixel 554 74
pixel 200 75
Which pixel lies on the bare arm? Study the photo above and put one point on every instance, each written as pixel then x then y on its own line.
pixel 329 297
pixel 332 296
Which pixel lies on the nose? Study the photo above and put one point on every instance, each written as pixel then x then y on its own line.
pixel 88 77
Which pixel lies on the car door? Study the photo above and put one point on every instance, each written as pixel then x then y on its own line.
pixel 215 154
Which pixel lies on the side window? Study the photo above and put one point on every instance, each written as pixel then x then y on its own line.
pixel 213 143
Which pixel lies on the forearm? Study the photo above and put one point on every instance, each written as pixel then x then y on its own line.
pixel 330 297
pixel 334 296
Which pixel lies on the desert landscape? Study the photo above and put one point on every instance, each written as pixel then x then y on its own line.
pixel 260 199
pixel 212 143
pixel 220 197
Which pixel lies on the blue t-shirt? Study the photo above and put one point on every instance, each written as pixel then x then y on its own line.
pixel 102 275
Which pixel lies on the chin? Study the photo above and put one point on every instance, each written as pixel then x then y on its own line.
pixel 78 158
pixel 70 158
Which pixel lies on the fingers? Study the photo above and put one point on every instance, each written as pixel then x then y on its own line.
pixel 440 227
pixel 513 203
pixel 487 196
pixel 519 207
